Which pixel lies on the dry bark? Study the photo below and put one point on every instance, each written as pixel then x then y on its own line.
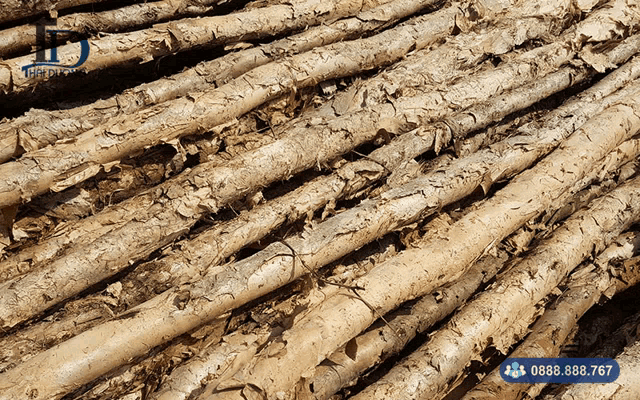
pixel 16 9
pixel 332 187
pixel 585 287
pixel 41 217
pixel 22 38
pixel 38 128
pixel 581 194
pixel 139 376
pixel 68 163
pixel 184 204
pixel 188 306
pixel 40 251
pixel 427 371
pixel 461 52
pixel 82 232
pixel 338 244
pixel 212 246
pixel 181 35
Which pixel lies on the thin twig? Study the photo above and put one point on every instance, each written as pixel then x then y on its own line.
pixel 352 288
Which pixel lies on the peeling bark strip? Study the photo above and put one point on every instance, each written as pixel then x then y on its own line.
pixel 22 38
pixel 39 128
pixel 65 164
pixel 159 319
pixel 185 34
pixel 15 9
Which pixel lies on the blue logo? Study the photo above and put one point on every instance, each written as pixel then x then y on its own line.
pixel 52 67
pixel 514 370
